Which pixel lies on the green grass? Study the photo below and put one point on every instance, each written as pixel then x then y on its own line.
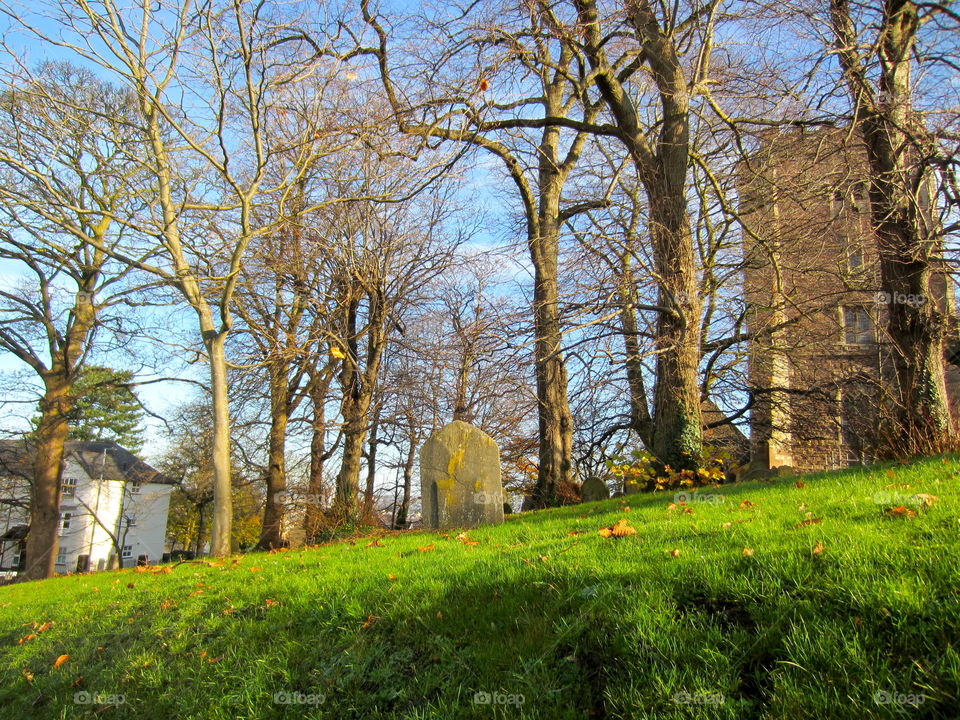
pixel 578 625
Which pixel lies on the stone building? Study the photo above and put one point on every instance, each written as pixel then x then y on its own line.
pixel 818 357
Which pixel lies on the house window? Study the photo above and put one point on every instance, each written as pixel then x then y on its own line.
pixel 131 521
pixel 69 487
pixel 134 488
pixel 65 521
pixel 15 560
pixel 126 552
pixel 857 326
pixel 61 557
pixel 854 256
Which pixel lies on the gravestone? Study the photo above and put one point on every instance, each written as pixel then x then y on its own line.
pixel 460 478
pixel 593 488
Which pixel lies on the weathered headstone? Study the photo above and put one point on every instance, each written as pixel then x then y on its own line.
pixel 593 488
pixel 460 482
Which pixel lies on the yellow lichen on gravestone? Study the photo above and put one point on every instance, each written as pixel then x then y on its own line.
pixel 460 479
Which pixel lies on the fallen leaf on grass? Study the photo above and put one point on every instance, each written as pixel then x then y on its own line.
pixel 923 499
pixel 574 532
pixel 809 521
pixel 900 511
pixel 747 552
pixel 255 569
pixel 166 605
pixel 270 603
pixel 818 548
pixel 672 506
pixel 746 504
pixel 800 484
pixel 27 675
pixel 621 528
pixel 60 660
pixel 376 543
pixel 130 586
pixel 391 577
pixel 165 570
pixel 673 553
pixel 462 537
pixel 371 619
pixel 26 638
pixel 425 548
pixel 77 682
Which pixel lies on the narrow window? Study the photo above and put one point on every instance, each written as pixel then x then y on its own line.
pixel 857 326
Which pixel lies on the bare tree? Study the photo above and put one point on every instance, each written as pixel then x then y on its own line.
pixel 879 50
pixel 69 180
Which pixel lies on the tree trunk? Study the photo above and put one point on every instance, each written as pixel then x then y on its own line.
pixel 354 412
pixel 677 429
pixel 200 529
pixel 555 420
pixel 400 522
pixel 221 526
pixel 318 456
pixel 372 446
pixel 271 534
pixel 51 434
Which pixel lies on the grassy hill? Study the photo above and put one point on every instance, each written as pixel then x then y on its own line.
pixel 836 597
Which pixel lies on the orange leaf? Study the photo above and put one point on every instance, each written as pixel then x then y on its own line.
pixel 270 603
pixel 371 619
pixel 45 626
pixel 391 577
pixel 166 605
pixel 800 484
pixel 688 511
pixel 810 521
pixel 621 529
pixel 818 548
pixel 747 552
pixel 673 553
pixel 672 506
pixel 746 504
pixel 606 532
pixel 60 660
pixel 425 548
pixel 26 639
pixel 255 569
pixel 27 675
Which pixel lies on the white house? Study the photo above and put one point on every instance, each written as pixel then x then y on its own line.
pixel 112 505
